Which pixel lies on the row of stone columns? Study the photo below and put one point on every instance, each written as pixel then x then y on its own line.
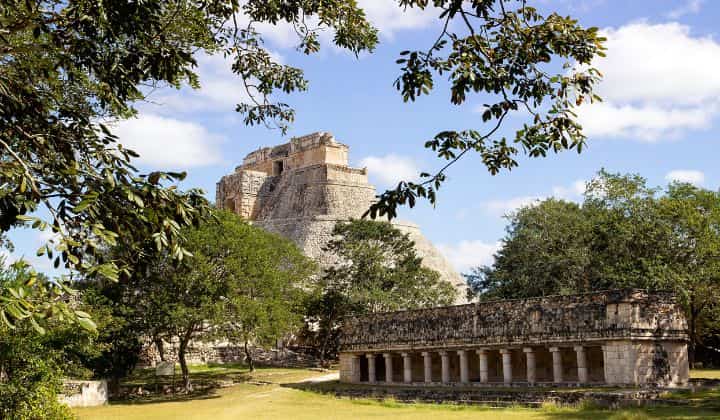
pixel 582 366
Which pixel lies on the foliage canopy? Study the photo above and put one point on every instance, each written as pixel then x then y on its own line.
pixel 624 234
pixel 377 270
pixel 506 51
pixel 69 67
pixel 242 284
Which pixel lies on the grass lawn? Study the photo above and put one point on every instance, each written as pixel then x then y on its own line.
pixel 705 373
pixel 263 396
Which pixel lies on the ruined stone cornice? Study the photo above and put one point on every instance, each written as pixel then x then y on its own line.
pixel 630 314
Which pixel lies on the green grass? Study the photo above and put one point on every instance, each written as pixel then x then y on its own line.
pixel 265 394
pixel 705 373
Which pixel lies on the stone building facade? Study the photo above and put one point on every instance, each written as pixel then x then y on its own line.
pixel 624 337
pixel 302 188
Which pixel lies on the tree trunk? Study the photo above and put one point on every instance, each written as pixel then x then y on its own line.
pixel 323 349
pixel 114 385
pixel 248 357
pixel 326 339
pixel 184 340
pixel 160 348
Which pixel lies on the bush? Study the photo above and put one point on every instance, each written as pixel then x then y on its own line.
pixel 30 378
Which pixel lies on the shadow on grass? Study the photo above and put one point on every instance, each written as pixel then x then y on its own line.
pixel 681 404
pixel 684 412
pixel 143 387
pixel 338 387
pixel 207 394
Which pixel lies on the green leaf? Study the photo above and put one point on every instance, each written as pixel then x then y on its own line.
pixel 87 324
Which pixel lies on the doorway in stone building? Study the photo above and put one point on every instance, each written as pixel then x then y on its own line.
pixel 364 369
pixel 278 167
pixel 596 364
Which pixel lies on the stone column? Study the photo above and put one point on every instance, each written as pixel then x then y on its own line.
pixel 427 366
pixel 606 363
pixel 372 378
pixel 557 365
pixel 482 353
pixel 407 368
pixel 355 368
pixel 581 364
pixel 530 363
pixel 388 367
pixel 464 367
pixel 445 364
pixel 507 365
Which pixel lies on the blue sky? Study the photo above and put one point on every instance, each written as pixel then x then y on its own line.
pixel 660 117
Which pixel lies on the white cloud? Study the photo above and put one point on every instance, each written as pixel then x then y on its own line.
pixel 167 143
pixel 574 6
pixel 468 254
pixel 385 15
pixel 687 8
pixel 575 190
pixel 388 170
pixel 659 81
pixel 282 34
pixel 502 207
pixel 686 175
pixel 646 122
pixel 220 89
pixel 661 62
pixel 388 17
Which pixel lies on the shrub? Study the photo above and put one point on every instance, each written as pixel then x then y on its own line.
pixel 30 378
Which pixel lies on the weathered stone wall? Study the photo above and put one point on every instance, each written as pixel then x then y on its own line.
pixel 315 189
pixel 319 190
pixel 611 337
pixel 646 362
pixel 84 393
pixel 243 192
pixel 345 366
pixel 316 148
pixel 200 352
pixel 591 316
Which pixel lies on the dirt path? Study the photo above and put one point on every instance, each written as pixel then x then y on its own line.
pixel 325 378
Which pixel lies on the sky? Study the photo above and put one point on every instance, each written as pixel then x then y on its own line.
pixel 660 118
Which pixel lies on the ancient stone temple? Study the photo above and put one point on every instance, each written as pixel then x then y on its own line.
pixel 626 337
pixel 302 188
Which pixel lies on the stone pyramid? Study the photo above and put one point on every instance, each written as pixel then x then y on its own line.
pixel 302 188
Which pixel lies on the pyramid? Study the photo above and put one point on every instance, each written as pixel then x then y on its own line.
pixel 301 189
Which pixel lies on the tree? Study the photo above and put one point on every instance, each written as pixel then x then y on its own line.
pixel 241 284
pixel 33 360
pixel 120 331
pixel 270 279
pixel 625 234
pixel 32 297
pixel 31 376
pixel 377 270
pixel 519 61
pixel 68 67
pixel 693 253
pixel 546 251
